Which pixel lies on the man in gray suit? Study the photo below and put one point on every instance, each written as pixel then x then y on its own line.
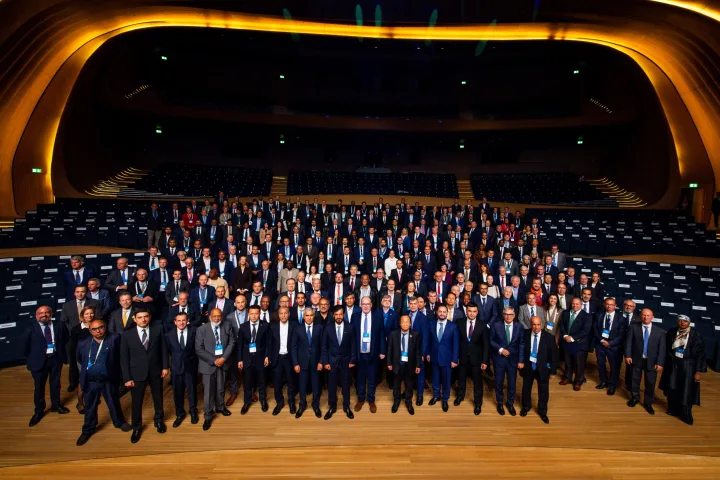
pixel 645 351
pixel 558 258
pixel 529 310
pixel 214 344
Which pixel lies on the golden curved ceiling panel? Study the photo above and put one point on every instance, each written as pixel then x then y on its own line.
pixel 39 83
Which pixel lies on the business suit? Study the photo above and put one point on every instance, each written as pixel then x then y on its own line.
pixel 614 333
pixel 227 307
pixel 183 369
pixel 282 364
pixel 576 351
pixel 339 355
pixel 114 280
pixel 43 365
pixel 174 289
pixel 404 371
pixel 71 282
pixel 506 366
pixel 115 324
pixel 254 362
pixel 474 352
pixel 369 346
pixel 628 320
pixel 307 355
pixel 500 304
pixel 104 302
pixel 95 384
pixel 546 357
pixel 644 362
pixel 70 316
pixel 443 351
pixel 213 376
pixel 235 319
pixel 419 323
pixel 144 367
pixel 524 315
pixel 151 290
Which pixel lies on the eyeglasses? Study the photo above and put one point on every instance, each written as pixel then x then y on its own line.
pixel 98 329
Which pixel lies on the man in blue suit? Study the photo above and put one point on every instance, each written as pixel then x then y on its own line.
pixel 508 348
pixel 419 324
pixel 575 331
pixel 487 306
pixel 339 355
pixel 99 359
pixel 371 346
pixel 389 319
pixel 305 350
pixel 184 367
pixel 45 351
pixel 79 275
pixel 610 329
pixel 443 353
pixel 202 296
pixel 101 295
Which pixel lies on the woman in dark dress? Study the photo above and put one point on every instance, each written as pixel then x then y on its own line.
pixel 77 333
pixel 681 376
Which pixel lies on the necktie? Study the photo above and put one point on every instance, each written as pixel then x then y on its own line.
pixel 77 277
pixel 627 318
pixel 507 333
pixel 217 336
pixel 291 300
pixel 403 347
pixel 532 311
pixel 309 334
pixel 122 276
pixel 412 320
pixel 182 339
pixel 607 322
pixel 265 317
pixel 253 334
pixel 352 283
pixel 482 302
pixel 177 286
pixel 338 296
pixel 79 307
pixel 587 308
pixel 440 333
pixel 144 339
pixel 339 337
pixel 48 334
pixel 256 299
pixel 534 350
pixel 472 328
pixel 572 320
pixel 366 345
pixel 125 315
pixel 646 337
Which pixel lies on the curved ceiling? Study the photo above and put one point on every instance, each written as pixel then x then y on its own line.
pixel 677 49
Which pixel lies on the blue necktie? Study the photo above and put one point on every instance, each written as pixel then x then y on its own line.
pixel 365 329
pixel 217 337
pixel 339 337
pixel 646 337
pixel 440 333
pixel 534 350
pixel 122 276
pixel 77 277
pixel 309 334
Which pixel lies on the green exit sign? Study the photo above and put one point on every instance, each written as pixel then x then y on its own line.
pixel 37 170
pixel 693 185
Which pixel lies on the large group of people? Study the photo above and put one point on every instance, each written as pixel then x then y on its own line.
pixel 315 297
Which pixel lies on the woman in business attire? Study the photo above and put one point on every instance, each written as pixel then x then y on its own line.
pixel 484 272
pixel 493 290
pixel 225 216
pixel 409 293
pixel 77 333
pixel 553 314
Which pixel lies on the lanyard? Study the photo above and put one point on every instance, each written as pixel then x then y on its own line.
pixel 98 352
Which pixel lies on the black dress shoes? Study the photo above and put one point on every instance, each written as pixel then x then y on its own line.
pixel 125 427
pixel 264 405
pixel 160 426
pixel 245 409
pixel 545 419
pixel 395 407
pixel 511 410
pixel 349 413
pixel 649 408
pixel 477 410
pixel 523 412
pixel 206 424
pixel 178 421
pixel 611 391
pixel 135 437
pixel 433 401
pixel 500 409
pixel 419 401
pixel 82 440
pixel 35 419
pixel 632 402
pixel 329 413
pixel 300 412
pixel 292 409
pixel 278 408
pixel 601 386
pixel 457 402
pixel 317 411
pixel 194 419
pixel 410 408
pixel 60 409
pixel 445 406
pixel 225 412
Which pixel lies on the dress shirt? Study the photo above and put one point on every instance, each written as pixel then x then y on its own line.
pixel 443 325
pixel 52 330
pixel 505 324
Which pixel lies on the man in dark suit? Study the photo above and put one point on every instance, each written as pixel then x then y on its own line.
pixel 541 356
pixel 144 361
pixel 506 300
pixel 99 358
pixel 118 279
pixel 443 353
pixel 182 306
pixel 306 350
pixel 253 353
pixel 184 367
pixel 101 296
pixel 214 344
pixel 487 306
pixel 508 352
pixel 575 331
pixel 124 317
pixel 339 355
pixel 404 359
pixel 221 302
pixel 610 332
pixel 45 342
pixel 474 354
pixel 79 275
pixel 70 313
pixel 645 348
pixel 282 365
pixel 144 291
pixel 629 316
pixel 371 347
pixel 202 296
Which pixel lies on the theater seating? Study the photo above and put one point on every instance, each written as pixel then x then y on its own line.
pixel 200 181
pixel 420 184
pixel 538 188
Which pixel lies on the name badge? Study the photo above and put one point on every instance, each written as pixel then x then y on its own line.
pixel 606 334
pixel 253 347
pixel 50 349
pixel 366 337
pixel 152 267
pixel 175 298
pixel 679 352
pixel 403 357
pixel 533 357
pixel 140 295
pixel 89 364
pixel 469 339
pixel 550 326
pixel 212 237
pixel 202 303
pixel 218 350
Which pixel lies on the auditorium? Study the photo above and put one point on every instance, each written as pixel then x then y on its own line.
pixel 368 239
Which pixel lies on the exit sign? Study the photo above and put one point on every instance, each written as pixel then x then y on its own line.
pixel 693 185
pixel 36 170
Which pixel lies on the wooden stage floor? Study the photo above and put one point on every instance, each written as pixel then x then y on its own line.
pixel 590 435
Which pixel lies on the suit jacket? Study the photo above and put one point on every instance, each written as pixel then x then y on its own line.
pixel 71 283
pixel 69 314
pixel 414 351
pixel 263 342
pixel 104 302
pixel 227 309
pixel 447 349
pixel 421 325
pixel 524 315
pixel 656 345
pixel 205 347
pixel 114 280
pixel 516 346
pixel 500 304
pixel 580 331
pixel 152 290
pixel 377 335
pixel 139 364
pixel 303 353
pixel 490 313
pixel 334 353
pixel 36 345
pixel 392 322
pixel 547 355
pixel 111 345
pixel 182 360
pixel 195 295
pixel 474 350
pixel 115 323
pixel 275 340
pixel 193 313
pixel 616 336
pixel 171 292
pixel 195 275
pixel 228 271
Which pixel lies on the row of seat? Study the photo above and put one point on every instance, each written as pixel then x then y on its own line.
pixel 413 183
pixel 538 188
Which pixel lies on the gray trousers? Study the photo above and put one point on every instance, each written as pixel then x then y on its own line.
pixel 153 237
pixel 213 393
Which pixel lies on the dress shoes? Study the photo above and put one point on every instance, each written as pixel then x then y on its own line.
pixel 329 413
pixel 125 427
pixel 292 409
pixel 419 401
pixel 299 412
pixel 255 397
pixel 457 401
pixel 373 407
pixel 278 408
pixel 477 410
pixel 410 408
pixel 632 402
pixel 649 408
pixel 35 419
pixel 135 437
pixel 577 387
pixel 600 386
pixel 500 409
pixel 80 408
pixel 245 409
pixel 206 424
pixel 611 391
pixel 82 440
pixel 264 405
pixel 564 381
pixel 225 412
pixel 511 410
pixel 523 412
pixel 317 411
pixel 433 401
pixel 445 406
pixel 358 406
pixel 60 409
pixel 194 419
pixel 545 419
pixel 395 407
pixel 231 399
pixel 178 421
pixel 160 426
pixel 349 413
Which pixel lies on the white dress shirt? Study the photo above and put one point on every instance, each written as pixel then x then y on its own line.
pixel 444 326
pixel 284 330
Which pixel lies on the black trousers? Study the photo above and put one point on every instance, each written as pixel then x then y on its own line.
pixel 343 371
pixel 185 382
pixel 608 356
pixel 403 376
pixel 650 380
pixel 530 376
pixel 575 364
pixel 464 368
pixel 52 370
pixel 628 377
pixel 283 370
pixel 91 396
pixel 138 397
pixel 313 376
pixel 255 378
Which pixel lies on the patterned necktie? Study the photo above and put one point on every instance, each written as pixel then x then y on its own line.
pixel 472 328
pixel 144 339
pixel 440 333
pixel 534 350
pixel 253 335
pixel 77 277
